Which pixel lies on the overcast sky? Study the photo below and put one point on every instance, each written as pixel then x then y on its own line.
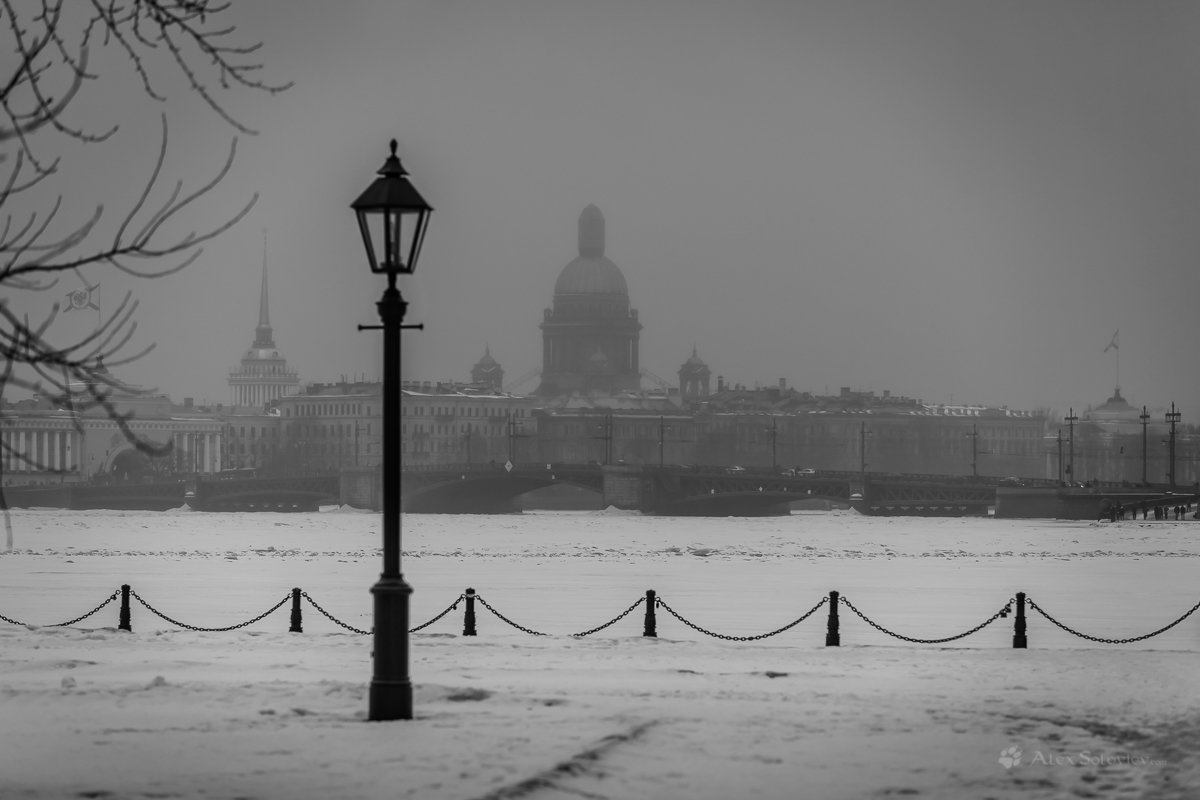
pixel 956 201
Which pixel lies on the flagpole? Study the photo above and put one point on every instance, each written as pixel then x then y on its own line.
pixel 1115 344
pixel 1118 349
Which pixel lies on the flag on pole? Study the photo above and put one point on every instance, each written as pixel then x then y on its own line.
pixel 82 298
pixel 1113 344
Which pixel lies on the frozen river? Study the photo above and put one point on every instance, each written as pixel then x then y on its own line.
pixel 88 711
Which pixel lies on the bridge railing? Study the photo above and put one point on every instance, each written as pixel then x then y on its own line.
pixel 1019 606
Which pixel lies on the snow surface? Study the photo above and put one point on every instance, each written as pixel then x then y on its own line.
pixel 88 711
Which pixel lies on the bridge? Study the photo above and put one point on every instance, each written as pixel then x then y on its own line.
pixel 692 491
pixel 298 493
pixel 672 490
pixel 487 488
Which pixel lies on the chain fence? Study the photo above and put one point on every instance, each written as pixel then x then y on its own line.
pixel 80 618
pixel 753 638
pixel 1003 612
pixel 1101 639
pixel 651 602
pixel 266 613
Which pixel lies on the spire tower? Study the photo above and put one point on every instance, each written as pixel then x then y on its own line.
pixel 264 375
pixel 263 335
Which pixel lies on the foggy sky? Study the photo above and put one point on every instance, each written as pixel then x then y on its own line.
pixel 955 201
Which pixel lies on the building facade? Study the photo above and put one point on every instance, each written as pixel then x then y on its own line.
pixel 329 426
pixel 449 423
pixel 42 442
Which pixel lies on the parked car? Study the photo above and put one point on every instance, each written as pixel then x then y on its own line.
pixel 735 470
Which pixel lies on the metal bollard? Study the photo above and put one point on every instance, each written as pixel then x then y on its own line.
pixel 651 626
pixel 124 623
pixel 832 637
pixel 297 626
pixel 469 616
pixel 1019 640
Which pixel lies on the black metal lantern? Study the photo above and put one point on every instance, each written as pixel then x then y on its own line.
pixel 392 214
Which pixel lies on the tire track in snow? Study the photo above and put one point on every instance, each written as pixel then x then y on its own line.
pixel 585 762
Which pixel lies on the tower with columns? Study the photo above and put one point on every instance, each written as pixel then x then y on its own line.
pixel 263 376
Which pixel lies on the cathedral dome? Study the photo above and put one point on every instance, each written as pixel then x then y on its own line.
pixel 591 276
pixel 591 272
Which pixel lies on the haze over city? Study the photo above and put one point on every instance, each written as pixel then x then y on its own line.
pixel 955 201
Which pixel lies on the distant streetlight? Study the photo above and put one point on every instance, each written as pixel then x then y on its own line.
pixel 392 217
pixel 606 434
pixel 1145 418
pixel 1172 418
pixel 663 427
pixel 1071 420
pixel 974 435
pixel 467 436
pixel 513 426
pixel 863 433
pixel 358 428
pixel 774 431
pixel 1059 439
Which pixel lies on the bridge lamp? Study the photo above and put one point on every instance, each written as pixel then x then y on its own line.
pixel 392 217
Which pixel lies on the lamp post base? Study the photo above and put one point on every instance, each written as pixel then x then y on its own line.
pixel 391 690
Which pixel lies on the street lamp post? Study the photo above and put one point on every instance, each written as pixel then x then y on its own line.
pixel 392 216
pixel 862 448
pixel 1059 439
pixel 1145 418
pixel 774 431
pixel 1071 420
pixel 663 427
pixel 974 434
pixel 607 435
pixel 513 426
pixel 1172 418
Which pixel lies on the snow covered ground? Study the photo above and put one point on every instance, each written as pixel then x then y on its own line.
pixel 88 711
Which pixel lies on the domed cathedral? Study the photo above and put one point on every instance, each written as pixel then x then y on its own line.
pixel 263 376
pixel 694 378
pixel 590 336
pixel 487 372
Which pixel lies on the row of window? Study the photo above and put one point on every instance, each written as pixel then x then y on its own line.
pixel 463 411
pixel 331 410
pixel 330 430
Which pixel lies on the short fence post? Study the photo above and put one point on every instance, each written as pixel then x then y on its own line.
pixel 297 626
pixel 832 637
pixel 650 628
pixel 469 616
pixel 124 623
pixel 1019 640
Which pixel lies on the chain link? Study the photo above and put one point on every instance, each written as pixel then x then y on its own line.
pixel 453 606
pixel 612 621
pixel 1003 612
pixel 331 617
pixel 1102 640
pixel 694 626
pixel 266 613
pixel 108 600
pixel 521 628
pixel 111 598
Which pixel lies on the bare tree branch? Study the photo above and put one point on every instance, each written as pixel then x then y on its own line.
pixel 50 47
